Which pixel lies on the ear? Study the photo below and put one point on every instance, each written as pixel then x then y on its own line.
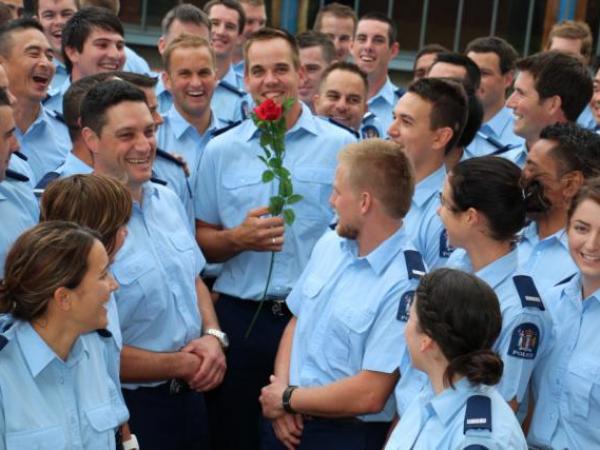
pixel 366 202
pixel 62 298
pixel 315 100
pixel 442 137
pixel 301 74
pixel 72 54
pixel 91 140
pixel 166 79
pixel 509 78
pixel 162 45
pixel 394 49
pixel 554 105
pixel 572 181
pixel 427 344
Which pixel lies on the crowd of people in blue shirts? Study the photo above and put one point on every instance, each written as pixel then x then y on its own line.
pixel 438 288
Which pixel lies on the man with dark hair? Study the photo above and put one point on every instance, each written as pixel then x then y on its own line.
pixel 163 304
pixel 316 54
pixel 457 66
pixel 227 20
pixel 430 119
pixel 256 19
pixel 425 58
pixel 16 8
pixel 374 47
pixel 342 96
pixel 26 57
pixel 184 18
pixel 340 353
pixel 92 42
pixel 551 88
pixel 339 23
pixel 496 60
pixel 558 163
pixel 234 227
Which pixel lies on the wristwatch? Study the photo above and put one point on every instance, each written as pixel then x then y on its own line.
pixel 131 443
pixel 220 335
pixel 286 399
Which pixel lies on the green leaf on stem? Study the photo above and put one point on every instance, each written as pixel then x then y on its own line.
pixel 267 176
pixel 294 198
pixel 281 172
pixel 275 163
pixel 264 139
pixel 285 187
pixel 276 205
pixel 289 216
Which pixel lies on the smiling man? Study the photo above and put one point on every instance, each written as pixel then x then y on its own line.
pixel 316 55
pixel 373 49
pixel 234 227
pixel 339 23
pixel 551 88
pixel 163 304
pixel 92 42
pixel 26 57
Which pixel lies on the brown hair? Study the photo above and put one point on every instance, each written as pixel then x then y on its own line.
pixel 337 10
pixel 384 168
pixel 98 202
pixel 44 258
pixel 590 190
pixel 571 29
pixel 186 41
pixel 267 34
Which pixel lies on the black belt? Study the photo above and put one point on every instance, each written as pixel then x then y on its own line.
pixel 276 305
pixel 171 387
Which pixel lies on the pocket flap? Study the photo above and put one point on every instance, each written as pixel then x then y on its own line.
pixel 102 418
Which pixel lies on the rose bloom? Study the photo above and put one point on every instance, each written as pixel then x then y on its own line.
pixel 268 110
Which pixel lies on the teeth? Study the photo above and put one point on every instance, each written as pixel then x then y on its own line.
pixel 138 161
pixel 590 258
pixel 367 59
pixel 195 94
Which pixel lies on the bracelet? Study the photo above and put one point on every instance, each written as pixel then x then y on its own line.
pixel 131 443
pixel 286 399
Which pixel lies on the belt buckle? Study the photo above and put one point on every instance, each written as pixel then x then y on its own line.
pixel 277 308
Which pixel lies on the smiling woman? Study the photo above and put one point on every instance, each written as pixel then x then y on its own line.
pixel 55 288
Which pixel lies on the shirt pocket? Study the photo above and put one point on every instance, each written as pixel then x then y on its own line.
pixel 349 328
pixel 314 184
pixel 52 438
pixel 139 293
pixel 583 387
pixel 101 423
pixel 243 190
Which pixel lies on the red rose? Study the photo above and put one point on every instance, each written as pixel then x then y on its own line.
pixel 268 110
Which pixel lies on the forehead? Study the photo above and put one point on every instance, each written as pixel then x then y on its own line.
pixel 56 5
pixel 447 70
pixel 336 25
pixel 102 33
pixel 372 28
pixel 128 114
pixel 310 54
pixel 28 38
pixel 488 60
pixel 190 57
pixel 525 81
pixel 345 82
pixel 540 154
pixel 426 60
pixel 413 105
pixel 254 11
pixel 270 52
pixel 224 13
pixel 178 27
pixel 566 45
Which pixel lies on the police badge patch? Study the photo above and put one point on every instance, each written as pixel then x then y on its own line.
pixel 445 249
pixel 524 341
pixel 369 132
pixel 404 307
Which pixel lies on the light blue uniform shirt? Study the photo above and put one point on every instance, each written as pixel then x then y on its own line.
pixel 518 155
pixel 423 224
pixel 566 384
pixel 520 358
pixel 586 118
pixel 135 63
pixel 19 211
pixel 46 143
pixel 60 75
pixel 163 96
pixel 51 404
pixel 238 68
pixel 73 166
pixel 21 166
pixel 230 102
pixel 230 184
pixel 372 127
pixel 548 260
pixel 383 103
pixel 347 309
pixel 436 422
pixel 54 102
pixel 157 269
pixel 498 129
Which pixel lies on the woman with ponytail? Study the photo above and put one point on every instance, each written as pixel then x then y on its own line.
pixel 454 320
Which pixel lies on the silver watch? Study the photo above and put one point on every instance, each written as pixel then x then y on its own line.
pixel 220 335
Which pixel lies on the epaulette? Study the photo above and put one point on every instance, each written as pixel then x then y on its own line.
pixel 3 342
pixel 158 181
pixel 58 116
pixel 368 116
pixel 478 414
pixel 399 92
pixel 341 125
pixel 47 179
pixel 104 333
pixel 528 293
pixel 565 280
pixel 230 87
pixel 166 155
pixel 499 146
pixel 226 128
pixel 20 155
pixel 414 264
pixel 14 175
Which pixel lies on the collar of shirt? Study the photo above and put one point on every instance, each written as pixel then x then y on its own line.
pixel 180 125
pixel 498 123
pixel 306 122
pixel 573 291
pixel 498 270
pixel 40 123
pixel 232 77
pixel 238 67
pixel 449 402
pixel 530 233
pixel 2 196
pixel 383 254
pixel 73 165
pixel 149 190
pixel 387 93
pixel 59 65
pixel 429 186
pixel 62 89
pixel 39 355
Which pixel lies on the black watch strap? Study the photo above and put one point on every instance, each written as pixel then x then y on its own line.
pixel 286 399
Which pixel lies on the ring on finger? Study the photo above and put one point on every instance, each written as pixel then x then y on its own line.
pixel 273 240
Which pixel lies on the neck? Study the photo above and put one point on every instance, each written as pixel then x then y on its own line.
pixel 25 112
pixel 82 153
pixel 427 168
pixel 375 232
pixel 376 83
pixel 223 64
pixel 436 376
pixel 59 339
pixel 453 157
pixel 490 112
pixel 75 74
pixel 136 192
pixel 199 122
pixel 551 223
pixel 590 285
pixel 293 115
pixel 484 251
pixel 238 55
pixel 58 55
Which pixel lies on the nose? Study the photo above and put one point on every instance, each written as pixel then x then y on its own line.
pixel 14 144
pixel 394 130
pixel 11 98
pixel 158 119
pixel 113 283
pixel 511 101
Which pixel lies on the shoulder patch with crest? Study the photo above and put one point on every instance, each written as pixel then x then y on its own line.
pixel 524 341
pixel 404 306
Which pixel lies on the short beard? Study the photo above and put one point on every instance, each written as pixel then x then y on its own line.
pixel 347 231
